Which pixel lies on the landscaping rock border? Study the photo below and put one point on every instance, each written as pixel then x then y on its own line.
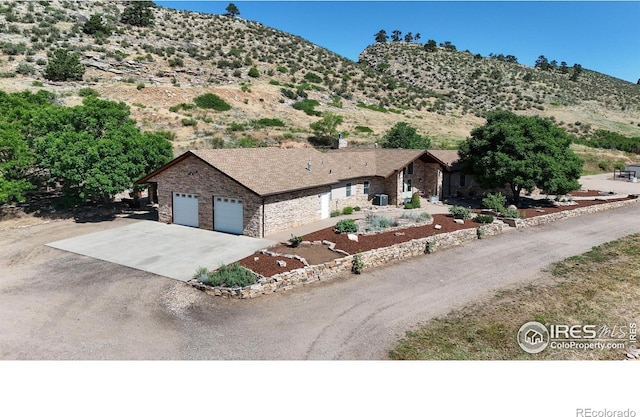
pixel 378 257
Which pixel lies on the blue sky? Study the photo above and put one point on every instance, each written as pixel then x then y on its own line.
pixel 602 36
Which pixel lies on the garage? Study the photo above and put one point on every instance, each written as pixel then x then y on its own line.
pixel 228 215
pixel 185 209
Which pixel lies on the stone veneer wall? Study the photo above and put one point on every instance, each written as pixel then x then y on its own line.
pixel 552 217
pixel 378 257
pixel 285 211
pixel 193 176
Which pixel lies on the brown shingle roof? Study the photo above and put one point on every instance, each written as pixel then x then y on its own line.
pixel 448 158
pixel 268 171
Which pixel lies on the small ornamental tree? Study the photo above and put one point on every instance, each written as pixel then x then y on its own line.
pixel 64 66
pixel 522 153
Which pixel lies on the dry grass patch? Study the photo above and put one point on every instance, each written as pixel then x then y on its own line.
pixel 600 287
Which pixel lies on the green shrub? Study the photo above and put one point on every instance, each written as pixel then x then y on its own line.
pixel 346 226
pixel 25 69
pixel 88 92
pixel 307 106
pixel 266 122
pixel 484 218
pixel 363 129
pixel 408 206
pixel 358 265
pixel 460 212
pixel 480 232
pixel 211 101
pixel 494 201
pixel 254 73
pixel 295 241
pixel 357 208
pixel 336 213
pixel 37 84
pixel 313 78
pixel 189 122
pixel 140 86
pixel 181 106
pixel 510 213
pixel 415 200
pixel 64 66
pixel 347 210
pixel 226 276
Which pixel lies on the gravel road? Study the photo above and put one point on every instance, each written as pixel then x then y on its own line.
pixel 58 305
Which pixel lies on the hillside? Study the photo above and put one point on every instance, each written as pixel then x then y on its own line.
pixel 155 70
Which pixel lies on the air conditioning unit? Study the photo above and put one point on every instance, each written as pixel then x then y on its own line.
pixel 380 200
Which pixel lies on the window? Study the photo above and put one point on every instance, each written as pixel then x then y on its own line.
pixel 410 169
pixel 463 180
pixel 348 189
pixel 367 186
pixel 406 186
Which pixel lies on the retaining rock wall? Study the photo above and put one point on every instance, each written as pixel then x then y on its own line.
pixel 383 256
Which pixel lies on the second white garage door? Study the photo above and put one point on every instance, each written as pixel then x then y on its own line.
pixel 228 215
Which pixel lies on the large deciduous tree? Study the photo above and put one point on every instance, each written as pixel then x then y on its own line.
pixel 522 153
pixel 99 151
pixel 402 135
pixel 15 160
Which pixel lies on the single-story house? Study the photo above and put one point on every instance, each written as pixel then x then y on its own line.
pixel 451 181
pixel 260 191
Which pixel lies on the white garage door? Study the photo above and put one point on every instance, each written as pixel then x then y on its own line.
pixel 185 209
pixel 228 215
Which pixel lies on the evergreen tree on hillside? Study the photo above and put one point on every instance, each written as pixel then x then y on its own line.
pixel 138 13
pixel 232 10
pixel 381 36
pixel 64 66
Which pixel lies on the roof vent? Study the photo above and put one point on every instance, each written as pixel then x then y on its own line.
pixel 309 165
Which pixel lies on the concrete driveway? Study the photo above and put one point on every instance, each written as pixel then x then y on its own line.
pixel 164 249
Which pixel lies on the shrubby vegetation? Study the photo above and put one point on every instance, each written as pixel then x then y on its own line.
pixel 211 101
pixel 92 151
pixel 611 140
pixel 459 212
pixel 64 66
pixel 346 226
pixel 229 276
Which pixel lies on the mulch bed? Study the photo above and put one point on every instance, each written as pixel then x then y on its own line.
pixel 380 240
pixel 267 265
pixel 547 209
pixel 587 193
